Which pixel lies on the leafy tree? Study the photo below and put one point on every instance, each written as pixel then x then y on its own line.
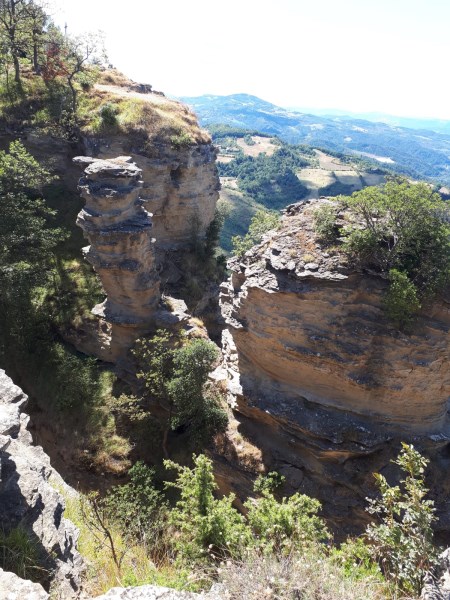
pixel 11 20
pixel 26 236
pixel 22 30
pixel 325 222
pixel 27 241
pixel 402 541
pixel 176 374
pixel 404 226
pixel 262 222
pixel 401 230
pixel 67 57
pixel 401 300
pixel 137 507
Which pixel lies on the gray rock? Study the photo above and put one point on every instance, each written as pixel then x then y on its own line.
pixel 9 419
pixel 28 499
pixel 152 592
pixel 15 588
pixel 438 588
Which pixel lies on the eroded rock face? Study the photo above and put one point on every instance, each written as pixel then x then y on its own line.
pixel 121 250
pixel 438 587
pixel 320 379
pixel 321 336
pixel 27 499
pixel 15 588
pixel 180 188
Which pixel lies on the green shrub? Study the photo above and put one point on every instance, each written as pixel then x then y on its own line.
pixel 325 222
pixel 176 372
pixel 402 541
pixel 180 140
pixel 108 114
pixel 401 301
pixel 74 379
pixel 137 507
pixel 356 559
pixel 280 527
pixel 205 525
pixel 401 229
pixel 262 222
pixel 20 554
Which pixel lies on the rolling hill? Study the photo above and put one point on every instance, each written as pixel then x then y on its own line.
pixel 418 153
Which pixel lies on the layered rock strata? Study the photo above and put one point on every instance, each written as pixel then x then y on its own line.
pixel 180 189
pixel 121 251
pixel 30 501
pixel 322 382
pixel 322 336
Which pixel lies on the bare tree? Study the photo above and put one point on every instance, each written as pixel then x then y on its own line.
pixel 69 56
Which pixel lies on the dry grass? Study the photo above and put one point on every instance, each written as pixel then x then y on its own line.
pixel 151 116
pixel 136 566
pixel 307 577
pixel 262 144
pixel 113 77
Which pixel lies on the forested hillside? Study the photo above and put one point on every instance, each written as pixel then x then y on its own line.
pixel 416 153
pixel 260 172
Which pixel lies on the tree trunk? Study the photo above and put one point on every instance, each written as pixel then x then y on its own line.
pixel 16 69
pixel 74 94
pixel 36 66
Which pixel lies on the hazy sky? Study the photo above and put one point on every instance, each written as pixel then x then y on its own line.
pixel 360 55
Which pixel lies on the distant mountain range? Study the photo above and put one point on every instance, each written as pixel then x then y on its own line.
pixel 418 153
pixel 436 125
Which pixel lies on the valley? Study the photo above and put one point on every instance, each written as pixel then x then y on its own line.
pixel 417 153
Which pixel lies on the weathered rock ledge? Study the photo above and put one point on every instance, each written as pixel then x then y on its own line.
pixel 180 187
pixel 28 499
pixel 321 335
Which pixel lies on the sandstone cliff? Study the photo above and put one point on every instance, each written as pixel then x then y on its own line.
pixel 177 158
pixel 119 230
pixel 320 379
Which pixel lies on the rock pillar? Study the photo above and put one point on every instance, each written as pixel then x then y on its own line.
pixel 121 250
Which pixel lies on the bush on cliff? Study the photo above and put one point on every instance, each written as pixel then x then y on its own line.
pixel 261 223
pixel 401 230
pixel 402 541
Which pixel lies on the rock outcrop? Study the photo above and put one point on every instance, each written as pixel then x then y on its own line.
pixel 121 251
pixel 28 499
pixel 13 587
pixel 180 189
pixel 321 380
pixel 438 588
pixel 152 592
pixel 180 179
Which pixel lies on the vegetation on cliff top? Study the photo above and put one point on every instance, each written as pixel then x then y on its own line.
pixel 59 84
pixel 400 230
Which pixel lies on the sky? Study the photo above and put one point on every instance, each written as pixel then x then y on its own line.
pixel 387 56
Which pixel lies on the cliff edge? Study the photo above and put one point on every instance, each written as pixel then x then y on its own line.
pixel 320 379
